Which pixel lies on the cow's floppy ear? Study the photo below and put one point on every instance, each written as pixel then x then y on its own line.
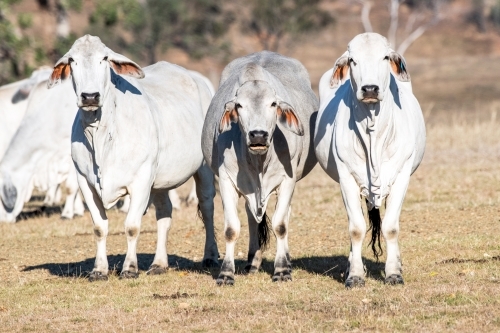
pixel 288 118
pixel 61 72
pixel 340 70
pixel 123 65
pixel 230 115
pixel 398 66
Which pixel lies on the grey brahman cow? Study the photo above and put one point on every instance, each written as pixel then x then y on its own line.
pixel 257 138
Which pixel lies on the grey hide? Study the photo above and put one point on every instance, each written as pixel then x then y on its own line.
pixel 268 92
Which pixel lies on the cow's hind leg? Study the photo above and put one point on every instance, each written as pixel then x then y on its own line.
pixel 205 190
pixel 357 231
pixel 232 227
pixel 254 246
pixel 281 217
pixel 163 207
pixel 139 199
pixel 100 220
pixel 192 198
pixel 390 226
pixel 174 199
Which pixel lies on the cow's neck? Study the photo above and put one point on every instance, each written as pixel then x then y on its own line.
pixel 258 165
pixel 374 128
pixel 98 129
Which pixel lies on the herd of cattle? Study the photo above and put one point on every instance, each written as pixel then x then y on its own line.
pixel 139 133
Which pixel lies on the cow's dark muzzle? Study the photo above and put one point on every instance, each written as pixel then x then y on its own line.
pixel 370 93
pixel 90 99
pixel 258 141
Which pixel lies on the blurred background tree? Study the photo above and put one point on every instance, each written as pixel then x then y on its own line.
pixel 13 43
pixel 276 21
pixel 149 27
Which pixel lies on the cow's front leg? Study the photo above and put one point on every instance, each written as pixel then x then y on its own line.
pixel 231 228
pixel 139 200
pixel 205 190
pixel 163 208
pixel 254 246
pixel 357 230
pixel 96 208
pixel 390 226
pixel 281 217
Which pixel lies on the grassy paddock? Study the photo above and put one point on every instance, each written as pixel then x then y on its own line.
pixel 449 241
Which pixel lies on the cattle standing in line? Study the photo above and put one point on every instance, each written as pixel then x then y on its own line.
pixel 370 137
pixel 268 149
pixel 136 137
pixel 38 155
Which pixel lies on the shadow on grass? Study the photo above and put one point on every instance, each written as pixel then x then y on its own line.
pixel 82 268
pixel 40 211
pixel 333 267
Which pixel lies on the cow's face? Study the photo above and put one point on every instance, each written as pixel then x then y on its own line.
pixel 257 108
pixel 369 62
pixel 88 62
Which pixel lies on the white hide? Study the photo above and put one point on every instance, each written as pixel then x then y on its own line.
pixel 38 155
pixel 135 137
pixel 13 105
pixel 370 140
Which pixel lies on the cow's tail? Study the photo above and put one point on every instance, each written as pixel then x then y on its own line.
pixel 264 232
pixel 375 227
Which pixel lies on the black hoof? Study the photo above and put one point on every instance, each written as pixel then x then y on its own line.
pixel 282 276
pixel 354 281
pixel 394 279
pixel 251 269
pixel 225 280
pixel 156 270
pixel 97 276
pixel 129 275
pixel 209 263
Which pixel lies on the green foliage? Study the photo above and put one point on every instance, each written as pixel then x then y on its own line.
pixel 12 65
pixel 156 25
pixel 75 5
pixel 273 20
pixel 495 14
pixel 24 20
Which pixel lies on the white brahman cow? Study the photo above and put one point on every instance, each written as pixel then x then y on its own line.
pixel 136 137
pixel 370 137
pixel 13 104
pixel 268 150
pixel 51 165
pixel 39 154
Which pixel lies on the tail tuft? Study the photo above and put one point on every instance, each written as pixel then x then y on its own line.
pixel 375 226
pixel 264 232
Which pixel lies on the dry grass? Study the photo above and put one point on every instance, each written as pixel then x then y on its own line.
pixel 451 212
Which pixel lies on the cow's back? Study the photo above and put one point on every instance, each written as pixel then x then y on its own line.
pixel 12 111
pixel 179 100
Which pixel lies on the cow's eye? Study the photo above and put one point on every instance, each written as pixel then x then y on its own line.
pixel 105 58
pixel 273 105
pixel 386 57
pixel 70 60
pixel 351 61
pixel 238 105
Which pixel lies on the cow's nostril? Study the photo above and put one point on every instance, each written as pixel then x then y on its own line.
pixel 90 96
pixel 370 88
pixel 258 134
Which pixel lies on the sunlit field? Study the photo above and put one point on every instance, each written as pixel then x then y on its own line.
pixel 449 242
